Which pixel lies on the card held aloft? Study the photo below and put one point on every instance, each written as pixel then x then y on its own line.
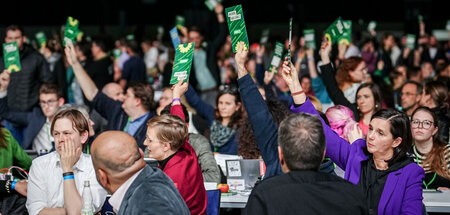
pixel 71 31
pixel 11 57
pixel 310 41
pixel 236 25
pixel 410 41
pixel 335 31
pixel 41 38
pixel 276 58
pixel 182 63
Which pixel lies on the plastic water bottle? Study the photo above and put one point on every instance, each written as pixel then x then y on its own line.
pixel 87 208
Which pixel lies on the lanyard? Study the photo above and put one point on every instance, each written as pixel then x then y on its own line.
pixel 424 183
pixel 126 126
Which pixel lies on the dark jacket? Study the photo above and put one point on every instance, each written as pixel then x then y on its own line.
pixel 444 123
pixel 306 192
pixel 211 55
pixel 116 116
pixel 264 128
pixel 33 120
pixel 152 192
pixel 23 89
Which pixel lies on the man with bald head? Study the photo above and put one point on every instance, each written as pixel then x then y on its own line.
pixel 135 187
pixel 114 91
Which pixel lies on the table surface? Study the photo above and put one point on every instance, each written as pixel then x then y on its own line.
pixel 437 201
pixel 433 201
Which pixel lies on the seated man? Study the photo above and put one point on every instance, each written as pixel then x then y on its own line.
pixel 56 180
pixel 37 135
pixel 136 188
pixel 303 189
pixel 131 115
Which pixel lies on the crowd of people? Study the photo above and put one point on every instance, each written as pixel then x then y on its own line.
pixel 359 128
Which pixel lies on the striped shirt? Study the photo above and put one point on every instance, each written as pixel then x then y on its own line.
pixel 419 157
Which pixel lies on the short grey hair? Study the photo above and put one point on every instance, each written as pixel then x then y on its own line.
pixel 302 141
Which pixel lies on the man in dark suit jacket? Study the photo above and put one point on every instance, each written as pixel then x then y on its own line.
pixel 130 116
pixel 303 189
pixel 37 121
pixel 136 188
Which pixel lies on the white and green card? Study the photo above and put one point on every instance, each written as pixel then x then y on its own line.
pixel 276 57
pixel 11 57
pixel 310 41
pixel 71 30
pixel 372 25
pixel 41 38
pixel 335 31
pixel 411 41
pixel 346 37
pixel 211 4
pixel 236 25
pixel 182 63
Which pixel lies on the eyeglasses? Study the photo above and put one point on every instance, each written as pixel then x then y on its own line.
pixel 425 124
pixel 47 103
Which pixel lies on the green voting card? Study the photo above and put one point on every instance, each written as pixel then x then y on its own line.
pixel 264 37
pixel 346 37
pixel 310 41
pixel 71 31
pixel 182 63
pixel 236 25
pixel 335 31
pixel 448 25
pixel 411 41
pixel 180 21
pixel 276 57
pixel 420 18
pixel 41 38
pixel 11 57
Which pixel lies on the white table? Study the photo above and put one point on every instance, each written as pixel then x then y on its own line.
pixel 437 201
pixel 234 201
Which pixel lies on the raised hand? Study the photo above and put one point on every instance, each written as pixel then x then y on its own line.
pixel 179 89
pixel 218 8
pixel 268 76
pixel 290 75
pixel 355 134
pixel 71 55
pixel 325 50
pixel 5 77
pixel 240 58
pixel 310 53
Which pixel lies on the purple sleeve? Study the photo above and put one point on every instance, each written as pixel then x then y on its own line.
pixel 338 149
pixel 412 199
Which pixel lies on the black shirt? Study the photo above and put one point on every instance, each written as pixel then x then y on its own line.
pixel 165 161
pixel 372 181
pixel 134 70
pixel 101 71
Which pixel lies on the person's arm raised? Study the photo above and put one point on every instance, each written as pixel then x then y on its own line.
pixel 240 58
pixel 290 76
pixel 86 83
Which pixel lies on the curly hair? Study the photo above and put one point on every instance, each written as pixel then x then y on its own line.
pixel 346 66
pixel 247 146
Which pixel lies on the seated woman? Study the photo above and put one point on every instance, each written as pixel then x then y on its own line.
pixel 379 165
pixel 167 142
pixel 224 121
pixel 435 97
pixel 56 179
pixel 429 150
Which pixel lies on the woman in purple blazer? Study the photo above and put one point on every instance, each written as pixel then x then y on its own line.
pixel 379 165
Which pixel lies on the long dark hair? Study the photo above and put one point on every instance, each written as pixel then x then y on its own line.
pixel 400 127
pixel 247 145
pixel 435 159
pixel 376 92
pixel 236 118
